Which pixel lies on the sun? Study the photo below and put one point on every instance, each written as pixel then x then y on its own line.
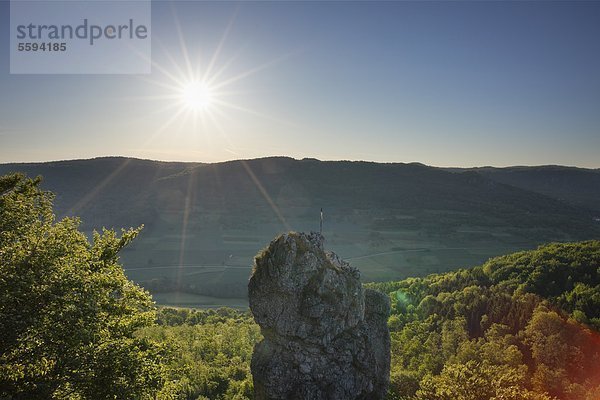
pixel 196 96
pixel 201 91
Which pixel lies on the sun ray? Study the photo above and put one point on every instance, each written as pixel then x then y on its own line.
pixel 160 68
pixel 254 70
pixel 217 52
pixel 253 112
pixel 188 201
pixel 215 77
pixel 168 123
pixel 91 195
pixel 266 195
pixel 182 44
pixel 178 70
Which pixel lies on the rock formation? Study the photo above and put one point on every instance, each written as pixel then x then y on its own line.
pixel 325 337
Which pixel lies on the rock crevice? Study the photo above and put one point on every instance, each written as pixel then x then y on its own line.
pixel 325 337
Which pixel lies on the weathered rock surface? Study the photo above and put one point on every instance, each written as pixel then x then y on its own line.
pixel 325 337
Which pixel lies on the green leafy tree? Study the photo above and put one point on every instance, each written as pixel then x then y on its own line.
pixel 213 349
pixel 68 314
pixel 477 381
pixel 522 326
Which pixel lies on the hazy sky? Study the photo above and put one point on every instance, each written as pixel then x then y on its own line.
pixel 443 83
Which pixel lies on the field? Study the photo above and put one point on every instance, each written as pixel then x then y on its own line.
pixel 168 266
pixel 178 299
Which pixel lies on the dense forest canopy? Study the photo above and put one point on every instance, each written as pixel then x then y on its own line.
pixel 520 326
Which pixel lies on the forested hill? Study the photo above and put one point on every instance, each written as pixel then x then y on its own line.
pixel 115 191
pixel 205 222
pixel 521 326
pixel 577 186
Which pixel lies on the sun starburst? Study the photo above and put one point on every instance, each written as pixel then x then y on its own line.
pixel 196 96
pixel 201 92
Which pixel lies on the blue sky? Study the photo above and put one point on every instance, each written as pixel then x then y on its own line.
pixel 443 83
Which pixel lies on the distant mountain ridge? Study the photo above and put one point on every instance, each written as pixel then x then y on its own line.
pixel 391 220
pixel 578 186
pixel 72 180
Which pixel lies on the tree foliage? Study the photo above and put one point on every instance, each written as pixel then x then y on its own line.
pixel 522 326
pixel 211 352
pixel 68 314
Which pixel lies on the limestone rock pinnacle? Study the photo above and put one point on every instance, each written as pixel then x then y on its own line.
pixel 325 337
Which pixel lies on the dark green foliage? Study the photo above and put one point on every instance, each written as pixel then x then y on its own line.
pixel 211 352
pixel 68 314
pixel 578 186
pixel 522 326
pixel 167 316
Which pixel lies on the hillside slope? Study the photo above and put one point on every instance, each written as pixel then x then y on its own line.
pixel 521 326
pixel 578 186
pixel 204 222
